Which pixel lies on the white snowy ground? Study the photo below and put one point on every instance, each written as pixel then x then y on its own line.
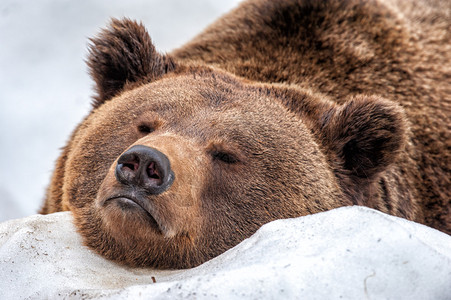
pixel 44 86
pixel 347 253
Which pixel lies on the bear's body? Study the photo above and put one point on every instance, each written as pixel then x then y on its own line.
pixel 277 110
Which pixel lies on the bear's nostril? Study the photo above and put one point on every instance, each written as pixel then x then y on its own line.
pixel 133 166
pixel 129 162
pixel 152 171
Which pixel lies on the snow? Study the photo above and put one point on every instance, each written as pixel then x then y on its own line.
pixel 348 253
pixel 45 89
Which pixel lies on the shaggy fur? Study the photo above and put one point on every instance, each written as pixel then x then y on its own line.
pixel 279 109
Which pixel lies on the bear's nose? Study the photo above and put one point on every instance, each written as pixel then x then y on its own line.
pixel 145 167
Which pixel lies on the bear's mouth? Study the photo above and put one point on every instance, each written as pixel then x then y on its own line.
pixel 129 204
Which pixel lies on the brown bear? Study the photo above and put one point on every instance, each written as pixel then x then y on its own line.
pixel 279 109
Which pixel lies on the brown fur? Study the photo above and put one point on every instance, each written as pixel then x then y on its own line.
pixel 277 110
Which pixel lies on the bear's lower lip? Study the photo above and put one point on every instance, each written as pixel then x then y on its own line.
pixel 128 204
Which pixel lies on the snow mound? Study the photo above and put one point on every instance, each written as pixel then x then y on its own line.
pixel 349 253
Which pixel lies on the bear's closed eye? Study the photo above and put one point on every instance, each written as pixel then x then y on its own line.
pixel 145 129
pixel 224 157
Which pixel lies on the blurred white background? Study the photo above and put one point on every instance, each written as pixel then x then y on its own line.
pixel 45 89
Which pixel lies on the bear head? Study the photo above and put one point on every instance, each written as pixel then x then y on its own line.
pixel 177 163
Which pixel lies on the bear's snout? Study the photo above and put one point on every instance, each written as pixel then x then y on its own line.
pixel 146 168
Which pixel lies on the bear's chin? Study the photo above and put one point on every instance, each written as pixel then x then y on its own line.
pixel 124 233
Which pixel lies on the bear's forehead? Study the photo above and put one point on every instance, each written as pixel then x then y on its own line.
pixel 185 96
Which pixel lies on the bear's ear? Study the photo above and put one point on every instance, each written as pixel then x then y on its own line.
pixel 365 134
pixel 122 54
